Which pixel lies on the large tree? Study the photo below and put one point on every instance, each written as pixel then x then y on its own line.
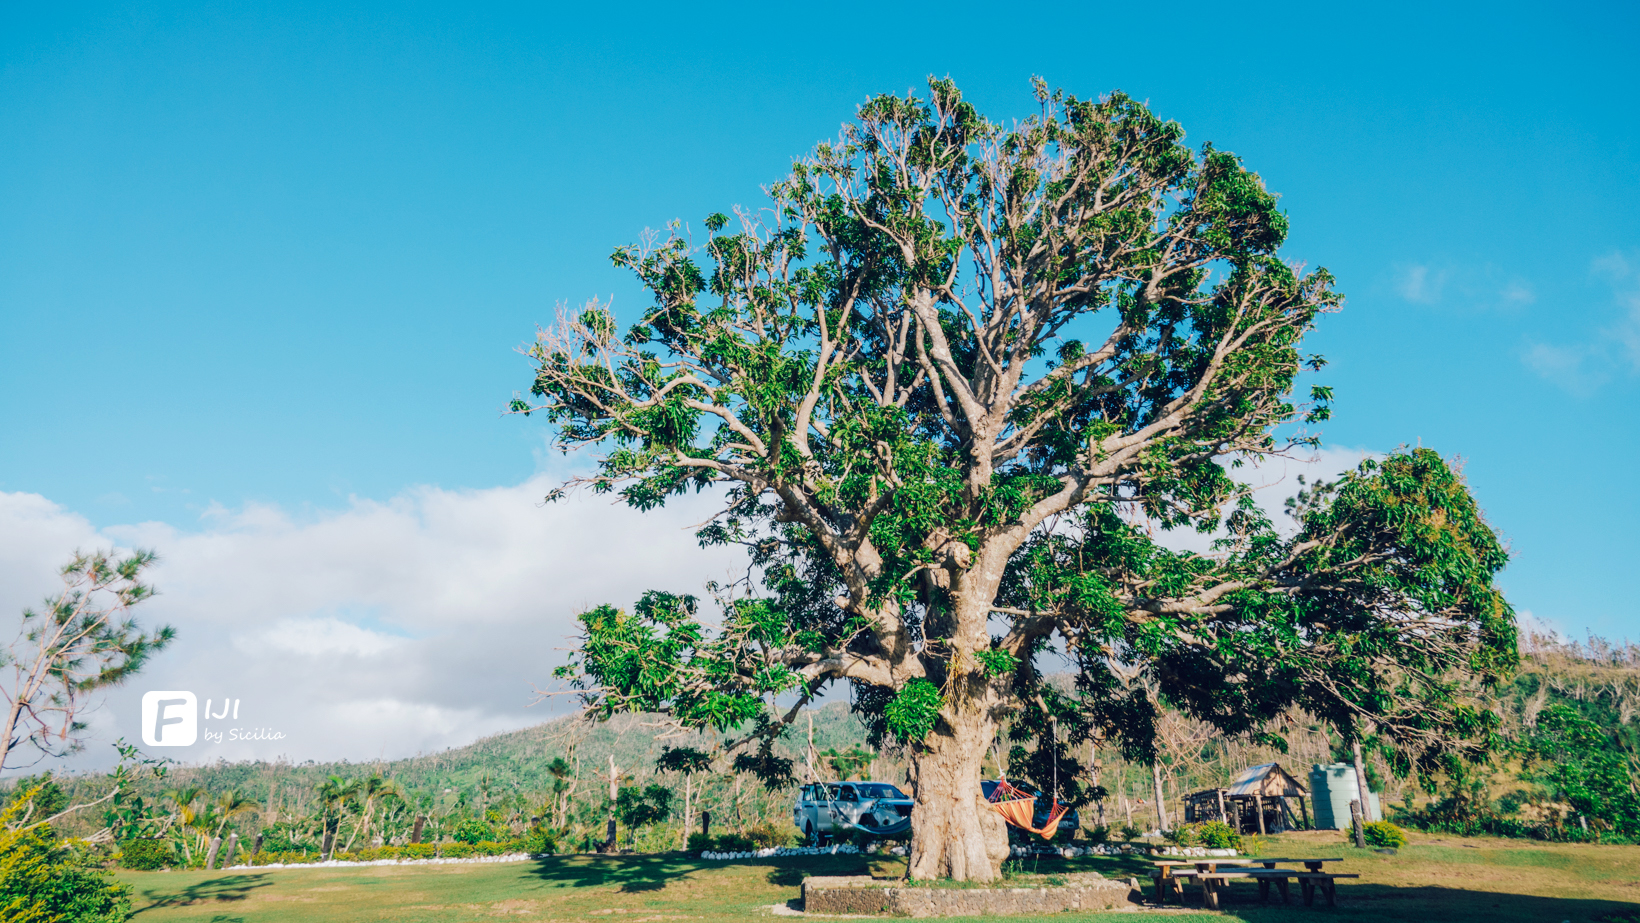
pixel 950 381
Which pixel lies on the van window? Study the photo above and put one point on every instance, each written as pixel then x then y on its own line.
pixel 848 794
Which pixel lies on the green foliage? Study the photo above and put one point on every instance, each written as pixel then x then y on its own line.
pixel 961 373
pixel 683 759
pixel 472 831
pixel 44 881
pixel 734 842
pixel 1130 832
pixel 849 764
pixel 1215 834
pixel 541 841
pixel 1586 765
pixel 637 808
pixel 997 662
pixel 1184 835
pixel 766 835
pixel 147 854
pixel 914 710
pixel 1382 834
pixel 1098 834
pixel 47 801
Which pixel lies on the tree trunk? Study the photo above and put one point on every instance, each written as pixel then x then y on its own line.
pixel 1361 782
pixel 1161 803
pixel 952 831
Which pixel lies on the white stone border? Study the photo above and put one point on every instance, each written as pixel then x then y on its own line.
pixel 347 864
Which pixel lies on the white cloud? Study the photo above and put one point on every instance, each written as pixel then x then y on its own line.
pixel 1482 286
pixel 1583 367
pixel 1574 368
pixel 1517 292
pixel 381 629
pixel 1420 284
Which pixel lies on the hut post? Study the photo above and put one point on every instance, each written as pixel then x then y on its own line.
pixel 1258 806
pixel 1223 817
pixel 1304 809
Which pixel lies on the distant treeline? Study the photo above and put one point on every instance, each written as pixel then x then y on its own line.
pixel 1569 768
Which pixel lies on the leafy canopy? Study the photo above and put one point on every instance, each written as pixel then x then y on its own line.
pixel 949 380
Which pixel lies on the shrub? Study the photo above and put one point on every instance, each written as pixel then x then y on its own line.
pixel 735 842
pixel 1216 834
pixel 1097 834
pixel 473 831
pixel 376 853
pixel 1130 832
pixel 493 848
pixel 40 879
pixel 146 854
pixel 541 841
pixel 1181 836
pixel 767 834
pixel 455 850
pixel 417 851
pixel 699 843
pixel 1383 834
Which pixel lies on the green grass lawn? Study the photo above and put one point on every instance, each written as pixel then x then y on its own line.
pixel 1434 880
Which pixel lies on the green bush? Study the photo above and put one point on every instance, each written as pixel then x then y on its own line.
pixel 375 853
pixel 455 850
pixel 700 842
pixel 1216 834
pixel 541 841
pixel 417 851
pixel 1098 834
pixel 147 854
pixel 472 832
pixel 41 879
pixel 1182 836
pixel 766 834
pixel 1130 832
pixel 1384 835
pixel 735 842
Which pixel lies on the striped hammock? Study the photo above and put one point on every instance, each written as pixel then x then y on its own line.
pixel 1017 808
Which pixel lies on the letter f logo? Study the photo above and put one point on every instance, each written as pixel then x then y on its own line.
pixel 163 711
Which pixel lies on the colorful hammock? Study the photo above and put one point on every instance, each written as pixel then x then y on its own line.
pixel 1017 808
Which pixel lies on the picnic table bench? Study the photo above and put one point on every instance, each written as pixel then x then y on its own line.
pixel 1212 879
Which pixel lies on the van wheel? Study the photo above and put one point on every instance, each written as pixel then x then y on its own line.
pixel 814 836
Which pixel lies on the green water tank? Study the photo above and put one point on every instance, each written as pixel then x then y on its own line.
pixel 1332 788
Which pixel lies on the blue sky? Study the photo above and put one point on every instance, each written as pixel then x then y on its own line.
pixel 280 258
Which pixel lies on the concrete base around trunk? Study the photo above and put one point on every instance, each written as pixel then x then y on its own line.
pixel 862 895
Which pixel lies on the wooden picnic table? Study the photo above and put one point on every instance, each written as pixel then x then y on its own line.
pixel 1207 873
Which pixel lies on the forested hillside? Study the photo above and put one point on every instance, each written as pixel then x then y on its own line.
pixel 1568 767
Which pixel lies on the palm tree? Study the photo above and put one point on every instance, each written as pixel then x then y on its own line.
pixel 369 792
pixel 334 793
pixel 184 816
pixel 231 805
pixel 563 788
